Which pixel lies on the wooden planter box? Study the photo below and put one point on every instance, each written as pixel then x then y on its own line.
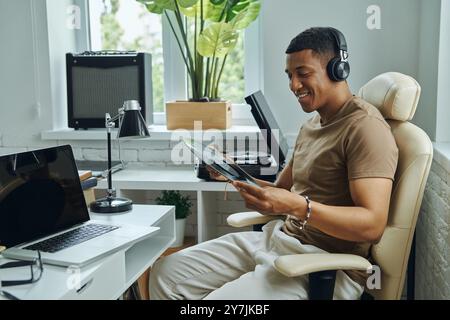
pixel 213 115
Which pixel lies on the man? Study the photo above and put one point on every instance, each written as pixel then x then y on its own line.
pixel 335 192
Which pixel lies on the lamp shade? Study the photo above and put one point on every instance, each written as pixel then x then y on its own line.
pixel 133 124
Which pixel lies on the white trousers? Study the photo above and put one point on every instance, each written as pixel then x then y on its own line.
pixel 239 266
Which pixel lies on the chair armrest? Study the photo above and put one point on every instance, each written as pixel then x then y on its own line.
pixel 244 219
pixel 299 264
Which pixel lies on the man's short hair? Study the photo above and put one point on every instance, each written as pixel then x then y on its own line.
pixel 318 39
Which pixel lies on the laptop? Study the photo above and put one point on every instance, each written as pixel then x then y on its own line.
pixel 42 207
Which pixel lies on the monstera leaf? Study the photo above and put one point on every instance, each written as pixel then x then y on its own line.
pixel 217 40
pixel 217 2
pixel 211 11
pixel 246 16
pixel 229 8
pixel 186 3
pixel 158 6
pixel 236 6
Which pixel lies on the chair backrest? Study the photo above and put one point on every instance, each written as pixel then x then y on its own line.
pixel 396 95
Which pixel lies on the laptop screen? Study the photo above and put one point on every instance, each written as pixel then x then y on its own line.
pixel 40 194
pixel 265 120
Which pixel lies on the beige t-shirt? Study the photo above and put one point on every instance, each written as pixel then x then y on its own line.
pixel 355 143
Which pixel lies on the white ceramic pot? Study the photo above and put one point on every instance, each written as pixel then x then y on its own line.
pixel 180 225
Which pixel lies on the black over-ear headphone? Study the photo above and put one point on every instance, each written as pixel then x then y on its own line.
pixel 338 68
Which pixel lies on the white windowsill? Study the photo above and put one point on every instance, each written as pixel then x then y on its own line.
pixel 157 132
pixel 243 126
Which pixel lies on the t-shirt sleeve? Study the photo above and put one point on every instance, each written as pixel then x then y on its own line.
pixel 295 146
pixel 291 161
pixel 371 151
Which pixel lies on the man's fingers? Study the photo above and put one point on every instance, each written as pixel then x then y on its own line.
pixel 256 203
pixel 249 198
pixel 256 191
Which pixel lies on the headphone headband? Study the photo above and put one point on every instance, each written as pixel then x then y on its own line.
pixel 338 67
pixel 339 38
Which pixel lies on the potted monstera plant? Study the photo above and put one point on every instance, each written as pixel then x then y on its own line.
pixel 206 32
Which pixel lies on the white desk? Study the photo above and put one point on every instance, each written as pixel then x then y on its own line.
pixel 153 178
pixel 110 277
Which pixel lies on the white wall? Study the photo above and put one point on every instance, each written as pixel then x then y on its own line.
pixel 61 39
pixel 425 115
pixel 32 77
pixel 443 92
pixel 393 48
pixel 24 76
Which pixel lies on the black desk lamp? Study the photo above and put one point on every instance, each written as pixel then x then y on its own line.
pixel 131 126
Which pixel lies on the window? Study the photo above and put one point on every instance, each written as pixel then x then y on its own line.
pixel 232 85
pixel 127 25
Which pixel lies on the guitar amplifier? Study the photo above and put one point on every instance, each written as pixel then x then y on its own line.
pixel 98 82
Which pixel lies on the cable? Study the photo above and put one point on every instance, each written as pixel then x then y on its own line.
pixel 8 295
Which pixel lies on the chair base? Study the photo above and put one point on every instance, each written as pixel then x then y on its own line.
pixel 321 285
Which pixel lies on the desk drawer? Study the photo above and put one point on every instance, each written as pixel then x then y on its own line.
pixel 105 281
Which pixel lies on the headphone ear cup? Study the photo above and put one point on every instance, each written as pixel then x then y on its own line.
pixel 342 70
pixel 331 67
pixel 338 70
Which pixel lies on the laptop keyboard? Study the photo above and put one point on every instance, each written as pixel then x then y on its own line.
pixel 71 238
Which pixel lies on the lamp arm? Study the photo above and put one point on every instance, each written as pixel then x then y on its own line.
pixel 109 122
pixel 110 190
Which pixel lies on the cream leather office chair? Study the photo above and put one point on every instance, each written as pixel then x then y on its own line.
pixel 396 96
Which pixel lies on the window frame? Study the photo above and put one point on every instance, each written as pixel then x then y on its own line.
pixel 83 35
pixel 175 83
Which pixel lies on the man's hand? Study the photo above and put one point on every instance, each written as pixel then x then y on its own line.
pixel 271 200
pixel 213 174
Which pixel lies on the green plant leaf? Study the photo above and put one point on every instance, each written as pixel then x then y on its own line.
pixel 182 203
pixel 154 8
pixel 166 4
pixel 217 40
pixel 214 12
pixel 234 7
pixel 243 19
pixel 211 12
pixel 190 11
pixel 216 2
pixel 186 3
pixel 158 6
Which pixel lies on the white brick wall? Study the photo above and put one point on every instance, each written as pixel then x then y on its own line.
pixel 433 238
pixel 152 153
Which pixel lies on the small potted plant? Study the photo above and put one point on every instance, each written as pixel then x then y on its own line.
pixel 183 206
pixel 206 32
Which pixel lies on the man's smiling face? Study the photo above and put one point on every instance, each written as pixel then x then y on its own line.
pixel 308 79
